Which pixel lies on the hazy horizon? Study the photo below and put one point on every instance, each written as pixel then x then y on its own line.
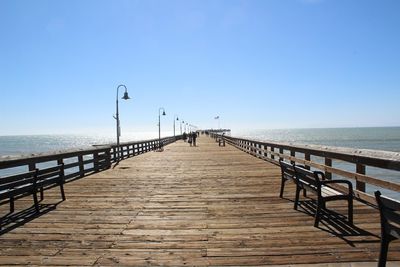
pixel 150 134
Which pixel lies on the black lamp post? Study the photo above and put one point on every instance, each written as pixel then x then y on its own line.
pixel 159 124
pixel 116 117
pixel 175 116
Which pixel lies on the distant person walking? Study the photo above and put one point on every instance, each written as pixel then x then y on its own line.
pixel 194 137
pixel 190 135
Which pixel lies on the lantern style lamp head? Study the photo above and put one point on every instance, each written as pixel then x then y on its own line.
pixel 126 96
pixel 164 113
pixel 116 117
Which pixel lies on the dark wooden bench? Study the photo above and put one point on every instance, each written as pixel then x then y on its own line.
pixel 50 177
pixel 30 183
pixel 287 174
pixel 325 191
pixel 389 210
pixel 17 186
pixel 221 141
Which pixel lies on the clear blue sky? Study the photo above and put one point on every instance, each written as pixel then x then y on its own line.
pixel 256 64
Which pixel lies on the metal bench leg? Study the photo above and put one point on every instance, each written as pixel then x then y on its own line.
pixel 384 250
pixel 296 201
pixel 282 187
pixel 41 194
pixel 36 202
pixel 318 212
pixel 12 207
pixel 62 191
pixel 350 210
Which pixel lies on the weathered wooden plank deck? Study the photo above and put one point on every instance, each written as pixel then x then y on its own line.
pixel 204 205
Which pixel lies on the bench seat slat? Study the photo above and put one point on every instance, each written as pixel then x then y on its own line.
pixel 327 191
pixel 15 184
pixel 49 175
pixel 16 192
pixel 44 182
pixel 16 177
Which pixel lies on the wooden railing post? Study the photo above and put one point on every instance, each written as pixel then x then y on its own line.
pixel 32 166
pixel 361 170
pixel 307 157
pixel 115 153
pixel 280 152
pixel 292 154
pixel 272 151
pixel 328 162
pixel 96 161
pixel 108 157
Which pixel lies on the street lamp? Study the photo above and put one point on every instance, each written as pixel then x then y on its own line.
pixel 175 116
pixel 159 125
pixel 116 117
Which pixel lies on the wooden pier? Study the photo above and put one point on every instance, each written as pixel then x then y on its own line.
pixel 202 206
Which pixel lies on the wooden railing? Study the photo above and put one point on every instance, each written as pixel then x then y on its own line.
pixel 82 162
pixel 131 149
pixel 323 157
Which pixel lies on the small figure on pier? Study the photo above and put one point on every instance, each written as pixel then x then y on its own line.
pixel 194 136
pixel 190 138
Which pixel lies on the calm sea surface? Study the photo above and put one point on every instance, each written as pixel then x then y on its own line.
pixel 382 138
pixel 15 145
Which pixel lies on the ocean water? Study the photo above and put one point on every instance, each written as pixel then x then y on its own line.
pixel 26 145
pixel 378 138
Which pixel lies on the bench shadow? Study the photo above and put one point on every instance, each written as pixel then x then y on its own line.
pixel 336 224
pixel 14 220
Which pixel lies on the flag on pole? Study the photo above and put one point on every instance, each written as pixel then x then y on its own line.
pixel 216 118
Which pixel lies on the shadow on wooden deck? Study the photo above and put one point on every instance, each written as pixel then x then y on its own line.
pixel 336 224
pixel 14 220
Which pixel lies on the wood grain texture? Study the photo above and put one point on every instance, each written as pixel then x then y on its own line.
pixel 186 206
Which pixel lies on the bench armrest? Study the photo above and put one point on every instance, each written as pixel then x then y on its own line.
pixel 349 184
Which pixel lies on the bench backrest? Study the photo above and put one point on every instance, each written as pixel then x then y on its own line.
pixel 14 185
pixel 308 178
pixel 287 170
pixel 50 176
pixel 389 210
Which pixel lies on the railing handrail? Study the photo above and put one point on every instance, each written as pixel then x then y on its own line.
pixel 370 157
pixel 101 156
pixel 43 157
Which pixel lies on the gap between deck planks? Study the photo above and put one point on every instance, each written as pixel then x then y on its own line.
pixel 205 205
